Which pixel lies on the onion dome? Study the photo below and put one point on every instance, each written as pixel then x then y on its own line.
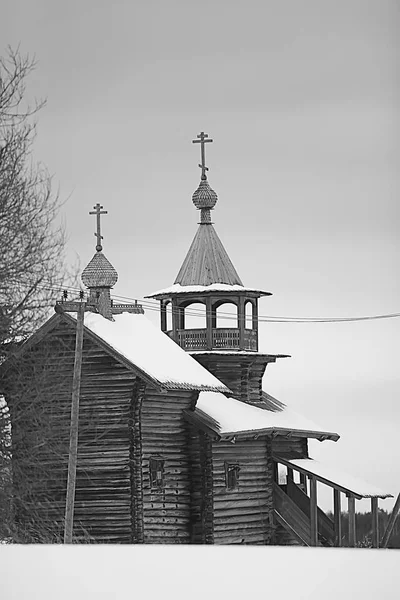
pixel 99 272
pixel 204 196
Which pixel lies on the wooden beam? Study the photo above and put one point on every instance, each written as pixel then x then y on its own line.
pixel 391 523
pixel 163 315
pixel 313 512
pixel 337 515
pixel 241 321
pixel 209 323
pixel 351 503
pixel 375 523
pixel 73 440
pixel 175 320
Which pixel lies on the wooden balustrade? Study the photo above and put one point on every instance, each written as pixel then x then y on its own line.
pixel 222 339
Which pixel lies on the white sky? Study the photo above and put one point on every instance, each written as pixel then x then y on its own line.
pixel 301 99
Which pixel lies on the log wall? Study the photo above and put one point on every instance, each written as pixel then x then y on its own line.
pixel 40 401
pixel 166 511
pixel 290 447
pixel 240 373
pixel 243 516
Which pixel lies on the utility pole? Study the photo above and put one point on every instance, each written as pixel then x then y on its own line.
pixel 79 308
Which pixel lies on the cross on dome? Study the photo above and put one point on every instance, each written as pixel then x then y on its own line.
pixel 203 141
pixel 97 211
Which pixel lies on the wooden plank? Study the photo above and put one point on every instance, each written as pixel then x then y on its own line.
pixel 337 515
pixel 375 522
pixel 351 502
pixel 73 443
pixel 391 523
pixel 313 512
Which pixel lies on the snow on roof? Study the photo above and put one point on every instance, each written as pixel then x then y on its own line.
pixel 134 337
pixel 177 288
pixel 339 478
pixel 227 417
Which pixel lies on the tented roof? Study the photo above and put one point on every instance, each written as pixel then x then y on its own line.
pixel 228 417
pixel 207 261
pixel 145 346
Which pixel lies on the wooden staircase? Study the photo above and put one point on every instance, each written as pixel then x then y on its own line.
pixel 292 511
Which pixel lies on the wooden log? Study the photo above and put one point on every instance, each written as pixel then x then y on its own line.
pixel 391 523
pixel 313 512
pixel 351 503
pixel 337 514
pixel 375 522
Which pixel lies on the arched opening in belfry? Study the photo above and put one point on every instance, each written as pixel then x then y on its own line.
pixel 195 316
pixel 249 308
pixel 226 316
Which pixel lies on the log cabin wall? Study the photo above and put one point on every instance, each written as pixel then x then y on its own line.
pixel 239 372
pixel 290 447
pixel 243 515
pixel 41 420
pixel 165 438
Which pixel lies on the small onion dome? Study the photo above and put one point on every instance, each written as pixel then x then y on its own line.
pixel 99 272
pixel 204 196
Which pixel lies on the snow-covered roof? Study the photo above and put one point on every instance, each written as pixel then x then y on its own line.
pixel 177 288
pixel 331 475
pixel 135 338
pixel 228 417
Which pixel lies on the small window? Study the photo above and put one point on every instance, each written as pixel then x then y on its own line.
pixel 232 476
pixel 156 468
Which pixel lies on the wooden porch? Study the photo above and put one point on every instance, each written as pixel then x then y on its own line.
pixel 296 507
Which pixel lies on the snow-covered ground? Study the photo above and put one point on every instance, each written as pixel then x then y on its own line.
pixel 197 572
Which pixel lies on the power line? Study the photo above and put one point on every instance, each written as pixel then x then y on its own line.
pixel 152 305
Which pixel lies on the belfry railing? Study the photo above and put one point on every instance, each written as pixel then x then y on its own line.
pixel 222 339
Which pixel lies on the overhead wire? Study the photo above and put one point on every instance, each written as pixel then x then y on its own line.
pixel 152 305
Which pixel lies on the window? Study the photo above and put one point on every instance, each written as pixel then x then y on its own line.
pixel 156 470
pixel 232 476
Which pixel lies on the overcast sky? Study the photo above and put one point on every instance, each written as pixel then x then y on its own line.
pixel 301 99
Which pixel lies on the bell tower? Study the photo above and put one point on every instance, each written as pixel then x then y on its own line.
pixel 208 277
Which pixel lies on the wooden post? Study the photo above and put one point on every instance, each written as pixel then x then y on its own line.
pixel 175 320
pixel 313 512
pixel 255 322
pixel 163 314
pixel 241 322
pixel 303 482
pixel 73 441
pixel 391 523
pixel 337 515
pixel 375 523
pixel 351 504
pixel 289 473
pixel 209 323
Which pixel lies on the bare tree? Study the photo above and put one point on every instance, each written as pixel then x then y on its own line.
pixel 31 256
pixel 31 242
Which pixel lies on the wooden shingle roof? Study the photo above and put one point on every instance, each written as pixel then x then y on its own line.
pixel 207 261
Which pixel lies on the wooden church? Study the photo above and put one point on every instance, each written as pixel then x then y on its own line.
pixel 178 441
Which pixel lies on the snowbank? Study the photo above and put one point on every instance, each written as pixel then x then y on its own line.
pixel 197 572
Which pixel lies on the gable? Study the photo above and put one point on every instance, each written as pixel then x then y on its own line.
pixel 134 341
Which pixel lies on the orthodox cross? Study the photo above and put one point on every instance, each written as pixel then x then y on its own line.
pixel 203 142
pixel 97 211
